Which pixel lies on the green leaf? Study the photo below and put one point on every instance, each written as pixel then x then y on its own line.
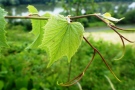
pixel 3 41
pixel 61 38
pixel 33 10
pixel 109 17
pixel 37 27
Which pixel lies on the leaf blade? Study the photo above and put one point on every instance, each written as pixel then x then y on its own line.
pixel 37 27
pixel 61 38
pixel 110 18
pixel 3 42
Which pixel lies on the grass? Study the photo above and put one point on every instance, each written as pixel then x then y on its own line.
pixel 27 68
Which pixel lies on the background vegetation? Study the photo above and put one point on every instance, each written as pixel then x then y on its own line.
pixel 79 7
pixel 22 69
pixel 25 69
pixel 20 2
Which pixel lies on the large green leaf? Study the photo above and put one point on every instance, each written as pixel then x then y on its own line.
pixel 37 27
pixel 61 38
pixel 3 41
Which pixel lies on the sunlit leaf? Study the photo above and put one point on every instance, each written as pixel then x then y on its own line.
pixel 3 41
pixel 109 17
pixel 61 38
pixel 37 27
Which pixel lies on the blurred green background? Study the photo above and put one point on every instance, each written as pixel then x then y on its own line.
pixel 22 69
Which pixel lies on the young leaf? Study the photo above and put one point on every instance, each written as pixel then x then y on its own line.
pixel 37 27
pixel 3 41
pixel 61 38
pixel 109 17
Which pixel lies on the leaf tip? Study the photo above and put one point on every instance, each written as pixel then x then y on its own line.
pixel 50 63
pixel 29 6
pixel 59 83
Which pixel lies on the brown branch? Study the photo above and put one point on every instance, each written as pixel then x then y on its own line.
pixel 102 58
pixel 79 77
pixel 26 17
pixel 45 18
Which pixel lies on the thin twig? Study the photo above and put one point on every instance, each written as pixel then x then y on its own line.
pixel 102 59
pixel 118 28
pixel 121 35
pixel 26 17
pixel 82 16
pixel 79 77
pixel 45 18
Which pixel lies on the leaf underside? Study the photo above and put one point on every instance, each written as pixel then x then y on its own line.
pixel 3 42
pixel 61 38
pixel 37 27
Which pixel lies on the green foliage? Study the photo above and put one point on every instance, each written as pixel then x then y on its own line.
pixel 37 27
pixel 26 69
pixel 117 9
pixel 130 17
pixel 57 35
pixel 22 2
pixel 3 42
pixel 1 85
pixel 21 70
pixel 61 38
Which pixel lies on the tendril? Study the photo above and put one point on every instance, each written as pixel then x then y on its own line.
pixel 122 39
pixel 113 27
pixel 73 81
pixel 79 77
pixel 102 59
pixel 118 28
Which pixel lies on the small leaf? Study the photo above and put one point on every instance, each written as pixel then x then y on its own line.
pixel 61 38
pixel 3 42
pixel 37 27
pixel 33 10
pixel 109 17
